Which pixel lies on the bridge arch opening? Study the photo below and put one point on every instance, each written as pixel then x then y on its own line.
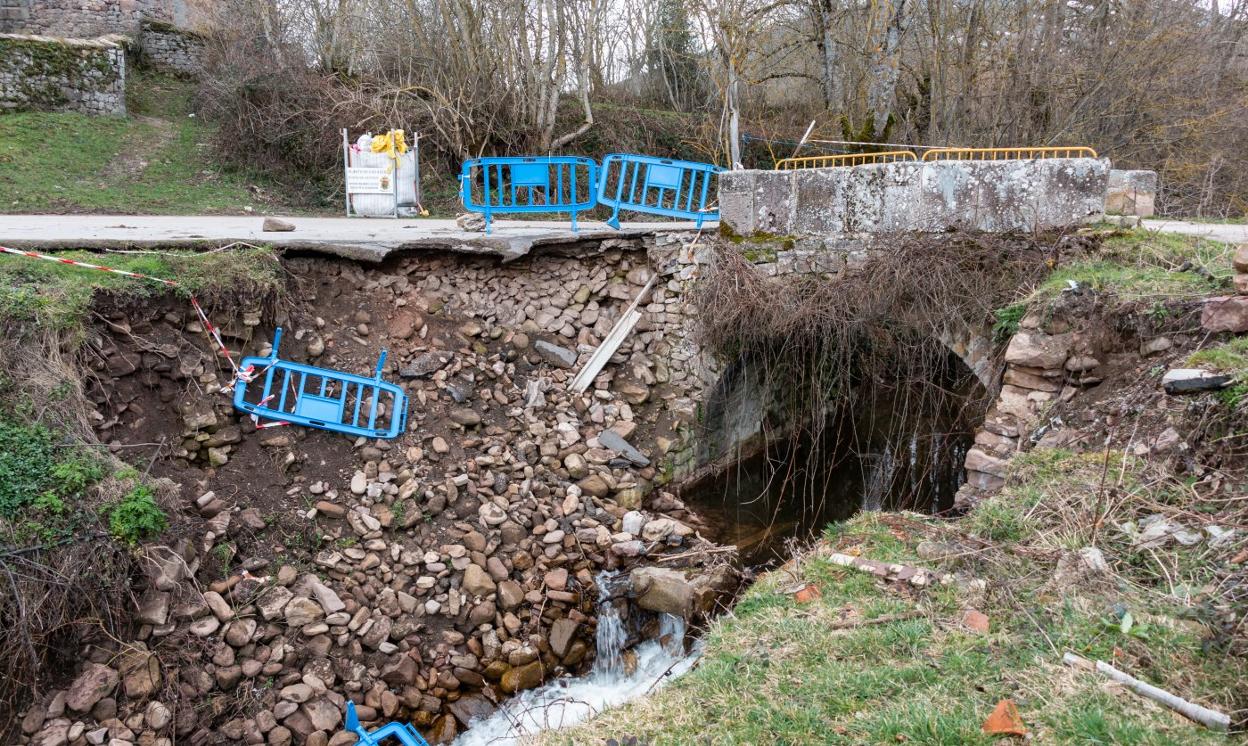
pixel 775 468
pixel 847 390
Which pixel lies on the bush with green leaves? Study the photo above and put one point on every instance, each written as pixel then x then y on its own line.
pixel 1007 321
pixel 137 516
pixel 33 468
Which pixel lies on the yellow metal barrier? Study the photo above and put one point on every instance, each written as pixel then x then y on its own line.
pixel 848 159
pixel 1005 154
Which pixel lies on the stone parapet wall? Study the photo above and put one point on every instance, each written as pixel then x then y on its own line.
pixel 1132 193
pixel 47 74
pixel 997 196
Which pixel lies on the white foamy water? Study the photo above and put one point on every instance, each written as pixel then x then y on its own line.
pixel 568 701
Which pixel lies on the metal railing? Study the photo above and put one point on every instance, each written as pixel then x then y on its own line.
pixel 1007 154
pixel 844 160
pixel 404 733
pixel 659 186
pixel 539 184
pixel 325 399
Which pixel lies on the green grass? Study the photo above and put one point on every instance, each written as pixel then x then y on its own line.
pixel 56 297
pixel 775 671
pixel 64 162
pixel 1228 357
pixel 1138 264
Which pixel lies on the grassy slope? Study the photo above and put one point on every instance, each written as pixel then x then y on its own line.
pixel 1140 264
pixel 56 297
pixel 776 671
pixel 63 162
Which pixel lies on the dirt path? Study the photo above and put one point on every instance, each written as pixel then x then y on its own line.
pixel 1228 232
pixel 137 152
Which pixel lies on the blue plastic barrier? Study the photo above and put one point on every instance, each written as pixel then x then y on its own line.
pixel 559 184
pixel 406 734
pixel 660 186
pixel 325 406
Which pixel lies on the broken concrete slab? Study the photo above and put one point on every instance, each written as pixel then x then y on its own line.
pixel 1191 380
pixel 612 440
pixel 351 238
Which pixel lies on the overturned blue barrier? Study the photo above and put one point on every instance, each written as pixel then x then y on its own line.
pixel 659 186
pixel 325 399
pixel 404 732
pixel 550 184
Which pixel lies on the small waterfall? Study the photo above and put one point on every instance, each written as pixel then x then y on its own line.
pixel 568 701
pixel 611 636
pixel 672 634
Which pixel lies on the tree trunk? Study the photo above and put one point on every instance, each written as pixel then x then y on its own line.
pixel 583 79
pixel 829 56
pixel 887 68
pixel 734 116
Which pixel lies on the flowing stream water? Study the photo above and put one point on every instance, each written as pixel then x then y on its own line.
pixel 568 701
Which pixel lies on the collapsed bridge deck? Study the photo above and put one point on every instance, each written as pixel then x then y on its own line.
pixel 352 238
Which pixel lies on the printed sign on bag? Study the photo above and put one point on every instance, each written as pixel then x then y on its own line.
pixel 361 180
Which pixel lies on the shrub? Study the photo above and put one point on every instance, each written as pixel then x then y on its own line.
pixel 34 472
pixel 25 451
pixel 1007 322
pixel 137 516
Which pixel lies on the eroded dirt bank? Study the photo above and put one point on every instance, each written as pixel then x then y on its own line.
pixel 426 577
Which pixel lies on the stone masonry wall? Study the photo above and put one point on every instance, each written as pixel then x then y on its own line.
pixel 1022 195
pixel 13 15
pixel 1132 193
pixel 170 49
pixel 80 18
pixel 1052 357
pixel 46 74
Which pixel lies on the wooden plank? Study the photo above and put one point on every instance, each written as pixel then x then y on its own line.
pixel 614 339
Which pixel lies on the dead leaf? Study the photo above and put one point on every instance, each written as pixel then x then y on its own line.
pixel 1005 720
pixel 975 621
pixel 807 593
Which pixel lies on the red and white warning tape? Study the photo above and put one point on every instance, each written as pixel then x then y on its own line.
pixel 264 425
pixel 60 260
pixel 211 330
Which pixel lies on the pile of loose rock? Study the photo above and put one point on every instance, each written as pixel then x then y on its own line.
pixel 445 569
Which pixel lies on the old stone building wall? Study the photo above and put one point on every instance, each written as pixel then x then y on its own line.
pixel 167 48
pixel 40 73
pixel 82 18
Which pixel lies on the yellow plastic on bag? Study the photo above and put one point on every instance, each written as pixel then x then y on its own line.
pixel 393 144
